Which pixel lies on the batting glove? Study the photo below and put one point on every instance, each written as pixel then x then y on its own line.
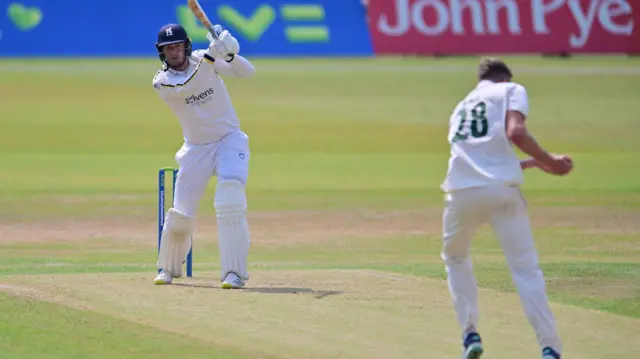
pixel 225 46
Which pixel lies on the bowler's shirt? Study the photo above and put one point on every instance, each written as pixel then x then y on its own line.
pixel 481 154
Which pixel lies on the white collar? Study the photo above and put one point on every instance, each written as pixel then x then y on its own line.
pixel 183 72
pixel 484 83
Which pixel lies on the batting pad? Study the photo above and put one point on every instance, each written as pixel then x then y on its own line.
pixel 175 242
pixel 230 203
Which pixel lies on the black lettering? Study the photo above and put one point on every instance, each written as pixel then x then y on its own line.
pixel 199 97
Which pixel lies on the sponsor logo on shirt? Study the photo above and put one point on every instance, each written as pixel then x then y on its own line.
pixel 199 99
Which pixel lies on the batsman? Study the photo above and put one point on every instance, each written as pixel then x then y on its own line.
pixel 190 83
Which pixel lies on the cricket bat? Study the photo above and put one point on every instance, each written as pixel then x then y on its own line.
pixel 197 11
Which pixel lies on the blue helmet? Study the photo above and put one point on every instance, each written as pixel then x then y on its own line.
pixel 173 34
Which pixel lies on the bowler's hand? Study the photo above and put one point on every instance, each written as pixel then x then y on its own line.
pixel 561 166
pixel 528 163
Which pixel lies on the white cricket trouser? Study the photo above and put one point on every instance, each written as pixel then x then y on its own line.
pixel 225 159
pixel 504 209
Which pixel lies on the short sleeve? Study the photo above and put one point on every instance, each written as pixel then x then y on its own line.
pixel 158 84
pixel 517 99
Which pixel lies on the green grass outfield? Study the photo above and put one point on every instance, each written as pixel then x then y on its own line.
pixel 345 207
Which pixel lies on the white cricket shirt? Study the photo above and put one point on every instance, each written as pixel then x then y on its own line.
pixel 199 97
pixel 481 153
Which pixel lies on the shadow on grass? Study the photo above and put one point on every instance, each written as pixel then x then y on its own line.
pixel 318 294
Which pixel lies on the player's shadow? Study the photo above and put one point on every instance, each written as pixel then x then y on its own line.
pixel 318 294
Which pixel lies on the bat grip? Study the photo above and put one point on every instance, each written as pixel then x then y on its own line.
pixel 213 32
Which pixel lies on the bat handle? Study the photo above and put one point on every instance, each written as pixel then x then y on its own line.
pixel 215 30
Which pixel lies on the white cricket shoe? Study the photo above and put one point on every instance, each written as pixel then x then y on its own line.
pixel 164 277
pixel 232 281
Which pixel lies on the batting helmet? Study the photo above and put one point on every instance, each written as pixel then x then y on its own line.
pixel 172 34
